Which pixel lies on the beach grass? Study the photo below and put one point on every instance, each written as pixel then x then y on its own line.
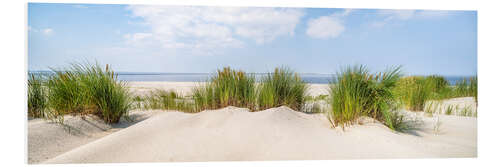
pixel 87 89
pixel 227 88
pixel 449 110
pixel 162 99
pixel 236 88
pixel 37 97
pixel 397 121
pixel 284 87
pixel 467 87
pixel 414 91
pixel 356 92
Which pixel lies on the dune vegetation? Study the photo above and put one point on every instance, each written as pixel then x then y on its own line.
pixel 236 88
pixel 467 87
pixel 354 92
pixel 227 88
pixel 283 87
pixel 415 91
pixel 164 100
pixel 83 89
pixel 37 97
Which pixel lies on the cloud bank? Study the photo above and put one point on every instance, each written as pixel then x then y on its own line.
pixel 330 26
pixel 211 27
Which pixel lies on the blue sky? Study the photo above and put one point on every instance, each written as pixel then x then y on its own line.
pixel 138 38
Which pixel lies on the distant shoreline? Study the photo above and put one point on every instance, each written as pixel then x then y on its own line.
pixel 311 78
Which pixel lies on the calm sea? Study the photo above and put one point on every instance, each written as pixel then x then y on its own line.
pixel 201 77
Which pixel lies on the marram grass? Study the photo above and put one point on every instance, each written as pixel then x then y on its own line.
pixel 165 100
pixel 467 87
pixel 87 89
pixel 37 97
pixel 282 88
pixel 356 92
pixel 227 88
pixel 415 91
pixel 236 88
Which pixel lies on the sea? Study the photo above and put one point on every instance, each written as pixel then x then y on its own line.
pixel 202 77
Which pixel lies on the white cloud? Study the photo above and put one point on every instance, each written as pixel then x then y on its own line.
pixel 137 39
pixel 327 26
pixel 47 31
pixel 397 14
pixel 215 27
pixel 401 15
pixel 434 13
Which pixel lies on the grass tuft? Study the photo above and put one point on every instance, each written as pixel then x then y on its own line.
pixel 166 100
pixel 467 88
pixel 283 87
pixel 414 91
pixel 37 97
pixel 449 110
pixel 355 92
pixel 87 89
pixel 228 88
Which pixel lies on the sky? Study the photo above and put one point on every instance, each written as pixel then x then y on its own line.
pixel 197 39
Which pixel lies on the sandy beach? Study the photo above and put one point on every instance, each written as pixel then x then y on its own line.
pixel 234 134
pixel 185 88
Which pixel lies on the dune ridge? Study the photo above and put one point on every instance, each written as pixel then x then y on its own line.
pixel 235 134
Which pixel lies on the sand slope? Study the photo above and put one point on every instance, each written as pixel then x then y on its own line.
pixel 233 134
pixel 47 139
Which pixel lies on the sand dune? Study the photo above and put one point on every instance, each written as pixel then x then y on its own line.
pixel 47 139
pixel 232 134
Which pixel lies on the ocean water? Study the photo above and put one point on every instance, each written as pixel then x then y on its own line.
pixel 201 77
pixel 197 77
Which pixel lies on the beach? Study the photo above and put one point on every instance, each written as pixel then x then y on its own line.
pixel 236 134
pixel 185 88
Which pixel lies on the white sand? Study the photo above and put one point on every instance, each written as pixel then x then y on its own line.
pixel 185 88
pixel 143 88
pixel 48 139
pixel 457 106
pixel 233 134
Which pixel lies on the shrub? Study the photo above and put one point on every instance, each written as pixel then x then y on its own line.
pixel 283 87
pixel 88 89
pixel 37 97
pixel 355 92
pixel 227 88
